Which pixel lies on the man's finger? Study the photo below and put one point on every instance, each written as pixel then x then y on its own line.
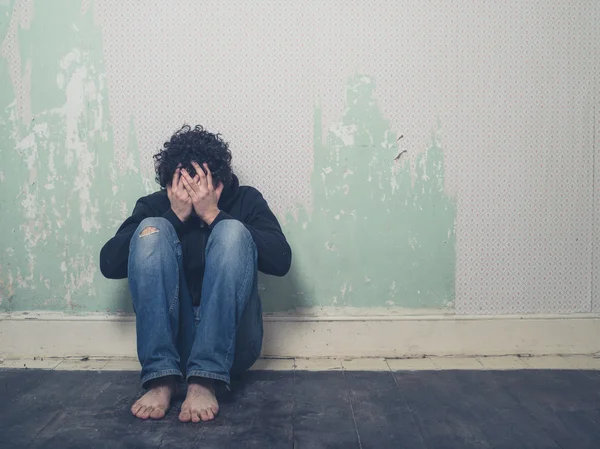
pixel 219 190
pixel 209 180
pixel 200 172
pixel 175 181
pixel 189 193
pixel 187 186
pixel 186 176
pixel 182 193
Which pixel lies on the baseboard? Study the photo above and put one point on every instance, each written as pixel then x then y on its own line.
pixel 58 335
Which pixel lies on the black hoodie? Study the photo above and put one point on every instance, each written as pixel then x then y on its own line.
pixel 242 203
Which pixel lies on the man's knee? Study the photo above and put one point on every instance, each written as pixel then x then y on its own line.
pixel 232 236
pixel 151 233
pixel 148 230
pixel 154 225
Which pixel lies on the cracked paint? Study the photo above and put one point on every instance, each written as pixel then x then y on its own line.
pixel 61 190
pixel 396 246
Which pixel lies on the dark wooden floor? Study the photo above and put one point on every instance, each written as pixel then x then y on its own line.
pixel 426 409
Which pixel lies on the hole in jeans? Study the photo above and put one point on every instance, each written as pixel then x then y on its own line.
pixel 147 231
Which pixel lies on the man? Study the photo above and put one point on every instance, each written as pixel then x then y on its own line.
pixel 191 253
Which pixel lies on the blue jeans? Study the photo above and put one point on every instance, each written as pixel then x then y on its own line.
pixel 220 337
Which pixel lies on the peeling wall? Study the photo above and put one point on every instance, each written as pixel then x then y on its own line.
pixel 62 194
pixel 490 210
pixel 379 234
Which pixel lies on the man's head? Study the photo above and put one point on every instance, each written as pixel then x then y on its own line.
pixel 194 145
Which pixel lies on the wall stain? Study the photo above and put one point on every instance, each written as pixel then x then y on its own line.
pixel 62 194
pixel 380 234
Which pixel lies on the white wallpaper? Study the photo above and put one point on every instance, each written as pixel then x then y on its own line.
pixel 525 143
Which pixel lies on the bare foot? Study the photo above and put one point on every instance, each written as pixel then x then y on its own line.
pixel 200 403
pixel 155 403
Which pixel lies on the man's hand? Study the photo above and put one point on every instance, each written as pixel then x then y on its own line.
pixel 204 195
pixel 181 203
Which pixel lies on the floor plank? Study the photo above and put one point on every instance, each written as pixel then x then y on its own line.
pixel 444 419
pixel 264 411
pixel 96 415
pixel 322 412
pixel 382 417
pixel 14 383
pixel 502 419
pixel 556 390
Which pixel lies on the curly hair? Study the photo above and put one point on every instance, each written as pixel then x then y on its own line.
pixel 194 144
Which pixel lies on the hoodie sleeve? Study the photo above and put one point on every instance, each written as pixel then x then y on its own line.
pixel 114 255
pixel 274 252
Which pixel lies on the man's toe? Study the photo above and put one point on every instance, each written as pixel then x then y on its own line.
pixel 157 413
pixel 210 415
pixel 140 411
pixel 195 417
pixel 135 408
pixel 185 416
pixel 145 413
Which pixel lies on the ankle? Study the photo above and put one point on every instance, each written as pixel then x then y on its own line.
pixel 201 382
pixel 167 382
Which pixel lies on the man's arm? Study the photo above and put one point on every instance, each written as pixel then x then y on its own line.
pixel 274 252
pixel 114 255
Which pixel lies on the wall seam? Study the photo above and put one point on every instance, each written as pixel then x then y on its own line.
pixel 595 202
pixel 594 206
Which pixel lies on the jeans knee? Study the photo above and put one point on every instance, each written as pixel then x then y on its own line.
pixel 231 236
pixel 151 233
pixel 154 225
pixel 148 230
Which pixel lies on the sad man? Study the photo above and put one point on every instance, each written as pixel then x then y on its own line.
pixel 191 253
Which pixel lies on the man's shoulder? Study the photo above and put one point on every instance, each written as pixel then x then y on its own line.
pixel 249 194
pixel 156 200
pixel 244 190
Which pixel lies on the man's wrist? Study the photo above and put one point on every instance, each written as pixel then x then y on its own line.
pixel 172 217
pixel 183 219
pixel 211 216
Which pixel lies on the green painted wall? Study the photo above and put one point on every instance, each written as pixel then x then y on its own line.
pixel 378 234
pixel 61 193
